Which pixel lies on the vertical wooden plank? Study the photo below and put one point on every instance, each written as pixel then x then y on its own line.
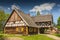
pixel 26 30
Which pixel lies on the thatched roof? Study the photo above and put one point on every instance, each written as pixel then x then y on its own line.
pixel 43 18
pixel 30 21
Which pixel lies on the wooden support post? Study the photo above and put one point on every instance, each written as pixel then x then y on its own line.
pixel 26 30
pixel 38 31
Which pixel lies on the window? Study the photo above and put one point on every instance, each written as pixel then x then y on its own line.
pixel 17 29
pixel 22 29
pixel 30 29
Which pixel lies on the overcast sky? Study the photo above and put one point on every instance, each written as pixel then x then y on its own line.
pixel 32 6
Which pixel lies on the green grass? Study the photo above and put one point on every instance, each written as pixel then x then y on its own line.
pixel 36 37
pixel 31 37
pixel 58 35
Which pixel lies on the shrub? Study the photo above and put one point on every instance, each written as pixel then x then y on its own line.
pixel 58 35
pixel 58 27
pixel 1 37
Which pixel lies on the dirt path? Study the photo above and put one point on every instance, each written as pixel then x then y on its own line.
pixel 52 36
pixel 13 38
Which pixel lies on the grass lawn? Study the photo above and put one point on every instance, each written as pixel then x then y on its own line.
pixel 58 35
pixel 36 37
pixel 31 37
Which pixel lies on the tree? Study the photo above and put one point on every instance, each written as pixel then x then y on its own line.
pixel 2 15
pixel 3 18
pixel 58 23
pixel 6 16
pixel 38 13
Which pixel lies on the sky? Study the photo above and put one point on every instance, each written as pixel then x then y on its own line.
pixel 32 6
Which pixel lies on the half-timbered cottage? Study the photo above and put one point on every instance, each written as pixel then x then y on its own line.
pixel 45 23
pixel 20 23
